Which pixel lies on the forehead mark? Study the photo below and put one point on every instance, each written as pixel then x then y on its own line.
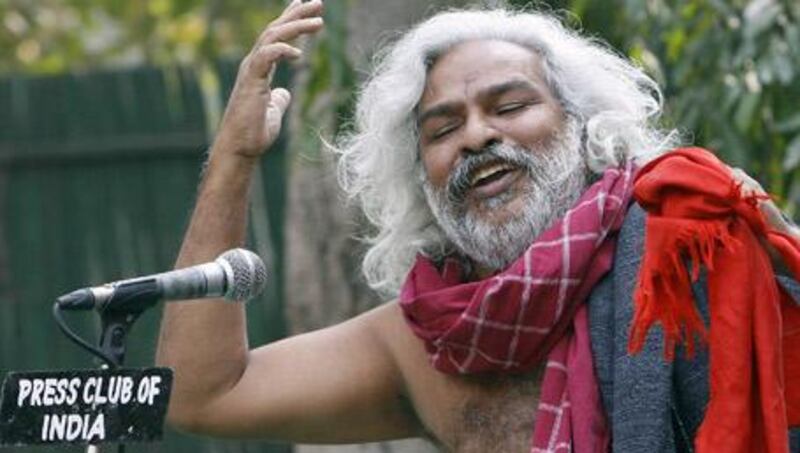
pixel 469 80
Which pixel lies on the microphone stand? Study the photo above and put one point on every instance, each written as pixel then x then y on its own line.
pixel 130 298
pixel 114 327
pixel 115 323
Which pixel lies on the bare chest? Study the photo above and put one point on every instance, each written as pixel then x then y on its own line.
pixel 480 414
pixel 465 414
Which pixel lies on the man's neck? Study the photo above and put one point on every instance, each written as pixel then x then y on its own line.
pixel 471 270
pixel 479 272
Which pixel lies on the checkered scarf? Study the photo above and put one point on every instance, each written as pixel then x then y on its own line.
pixel 531 312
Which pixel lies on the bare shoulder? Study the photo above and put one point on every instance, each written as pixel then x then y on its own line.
pixel 387 324
pixel 390 329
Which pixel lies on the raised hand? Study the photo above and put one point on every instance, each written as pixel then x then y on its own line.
pixel 772 213
pixel 252 119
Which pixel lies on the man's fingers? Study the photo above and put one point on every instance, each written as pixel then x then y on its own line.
pixel 290 30
pixel 280 99
pixel 299 18
pixel 749 185
pixel 262 60
pixel 285 14
pixel 298 10
pixel 772 213
pixel 295 11
pixel 279 102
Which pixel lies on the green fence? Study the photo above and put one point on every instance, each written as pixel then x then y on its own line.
pixel 98 174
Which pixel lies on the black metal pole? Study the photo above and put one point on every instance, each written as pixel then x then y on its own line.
pixel 112 342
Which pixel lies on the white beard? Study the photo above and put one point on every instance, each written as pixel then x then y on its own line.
pixel 555 177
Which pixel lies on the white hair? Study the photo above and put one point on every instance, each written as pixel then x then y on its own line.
pixel 616 103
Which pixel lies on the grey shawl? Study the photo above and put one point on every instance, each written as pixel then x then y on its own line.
pixel 653 405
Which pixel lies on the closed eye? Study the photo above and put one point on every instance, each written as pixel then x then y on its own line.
pixel 443 131
pixel 511 107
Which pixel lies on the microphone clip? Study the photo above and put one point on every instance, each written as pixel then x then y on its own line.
pixel 128 296
pixel 119 306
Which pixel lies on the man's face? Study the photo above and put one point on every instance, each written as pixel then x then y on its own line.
pixel 501 159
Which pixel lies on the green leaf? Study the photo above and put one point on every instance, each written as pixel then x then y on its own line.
pixel 789 124
pixel 675 42
pixel 745 113
pixel 792 156
pixel 760 20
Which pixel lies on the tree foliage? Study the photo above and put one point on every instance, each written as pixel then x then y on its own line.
pixel 730 70
pixel 53 36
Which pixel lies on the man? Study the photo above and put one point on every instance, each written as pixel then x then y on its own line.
pixel 476 132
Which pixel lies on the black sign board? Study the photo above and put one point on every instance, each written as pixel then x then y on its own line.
pixel 84 406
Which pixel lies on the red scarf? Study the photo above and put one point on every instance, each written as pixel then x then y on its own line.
pixel 696 211
pixel 532 311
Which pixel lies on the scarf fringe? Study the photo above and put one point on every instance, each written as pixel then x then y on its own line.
pixel 664 293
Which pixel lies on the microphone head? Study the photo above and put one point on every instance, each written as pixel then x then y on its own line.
pixel 245 273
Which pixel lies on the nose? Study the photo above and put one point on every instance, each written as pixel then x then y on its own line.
pixel 479 135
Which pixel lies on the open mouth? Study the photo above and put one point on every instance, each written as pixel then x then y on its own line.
pixel 489 174
pixel 493 179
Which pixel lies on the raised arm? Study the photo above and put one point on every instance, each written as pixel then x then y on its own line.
pixel 339 384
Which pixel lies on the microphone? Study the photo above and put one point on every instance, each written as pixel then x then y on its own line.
pixel 236 275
